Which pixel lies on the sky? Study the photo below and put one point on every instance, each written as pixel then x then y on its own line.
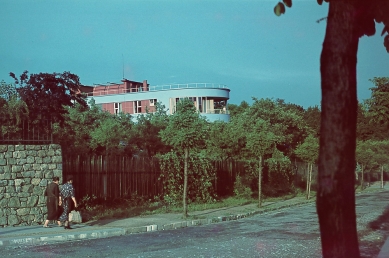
pixel 241 44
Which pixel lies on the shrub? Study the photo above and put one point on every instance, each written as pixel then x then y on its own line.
pixel 241 190
pixel 200 176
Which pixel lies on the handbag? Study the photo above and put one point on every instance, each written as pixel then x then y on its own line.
pixel 75 217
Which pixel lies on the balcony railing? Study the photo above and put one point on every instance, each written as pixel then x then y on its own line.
pixel 187 86
pixel 157 88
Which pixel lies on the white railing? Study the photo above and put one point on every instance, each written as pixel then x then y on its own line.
pixel 186 86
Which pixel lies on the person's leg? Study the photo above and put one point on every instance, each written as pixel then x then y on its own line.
pixel 46 224
pixel 67 225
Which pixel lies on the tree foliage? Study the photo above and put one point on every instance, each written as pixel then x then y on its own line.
pixel 13 111
pixel 147 130
pixel 378 104
pixel 47 95
pixel 200 176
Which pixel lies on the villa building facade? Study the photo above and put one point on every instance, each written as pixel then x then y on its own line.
pixel 139 97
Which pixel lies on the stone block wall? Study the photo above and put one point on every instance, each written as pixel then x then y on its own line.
pixel 25 171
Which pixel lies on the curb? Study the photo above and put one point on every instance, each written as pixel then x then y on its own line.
pixel 50 238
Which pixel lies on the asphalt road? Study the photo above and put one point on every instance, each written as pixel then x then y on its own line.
pixel 290 232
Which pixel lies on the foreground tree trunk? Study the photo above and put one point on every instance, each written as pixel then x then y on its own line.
pixel 184 198
pixel 336 193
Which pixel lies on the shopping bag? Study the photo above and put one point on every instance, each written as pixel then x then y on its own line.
pixel 75 217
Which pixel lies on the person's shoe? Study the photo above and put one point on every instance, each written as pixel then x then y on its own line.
pixel 68 227
pixel 46 226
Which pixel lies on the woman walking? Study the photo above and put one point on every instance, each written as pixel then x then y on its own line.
pixel 67 193
pixel 53 201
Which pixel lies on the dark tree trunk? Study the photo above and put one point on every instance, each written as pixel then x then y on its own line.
pixel 336 193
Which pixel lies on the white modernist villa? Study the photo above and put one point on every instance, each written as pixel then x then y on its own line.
pixel 137 97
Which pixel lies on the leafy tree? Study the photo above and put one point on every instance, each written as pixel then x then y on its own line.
pixel 74 135
pixel 13 111
pixel 47 95
pixel 225 140
pixel 377 109
pixel 381 150
pixel 379 101
pixel 312 119
pixel 347 21
pixel 308 152
pixel 364 157
pixel 113 134
pixel 147 130
pixel 201 173
pixel 185 132
pixel 260 141
pixel 289 122
pixel 365 130
pixel 235 109
pixel 279 168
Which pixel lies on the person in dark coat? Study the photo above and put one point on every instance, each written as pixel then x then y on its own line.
pixel 67 194
pixel 53 200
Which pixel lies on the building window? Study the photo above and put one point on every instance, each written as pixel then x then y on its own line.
pixel 138 106
pixel 117 108
pixel 153 102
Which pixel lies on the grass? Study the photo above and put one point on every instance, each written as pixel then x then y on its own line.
pixel 94 209
pixel 98 209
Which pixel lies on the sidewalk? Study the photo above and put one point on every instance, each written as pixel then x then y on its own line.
pixel 30 235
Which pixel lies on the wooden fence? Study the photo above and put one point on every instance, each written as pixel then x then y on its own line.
pixel 118 177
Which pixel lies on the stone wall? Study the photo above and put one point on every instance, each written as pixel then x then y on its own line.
pixel 25 171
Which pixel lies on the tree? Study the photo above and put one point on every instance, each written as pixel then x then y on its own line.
pixel 185 132
pixel 225 140
pixel 289 122
pixel 279 169
pixel 146 130
pixel 364 156
pixel 312 118
pixel 13 111
pixel 377 109
pixel 380 150
pixel 235 109
pixel 113 134
pixel 308 151
pixel 74 135
pixel 347 21
pixel 47 95
pixel 379 101
pixel 260 141
pixel 365 130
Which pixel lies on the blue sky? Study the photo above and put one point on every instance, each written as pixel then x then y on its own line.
pixel 241 44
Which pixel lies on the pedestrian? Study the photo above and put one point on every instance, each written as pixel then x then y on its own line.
pixel 53 200
pixel 68 198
